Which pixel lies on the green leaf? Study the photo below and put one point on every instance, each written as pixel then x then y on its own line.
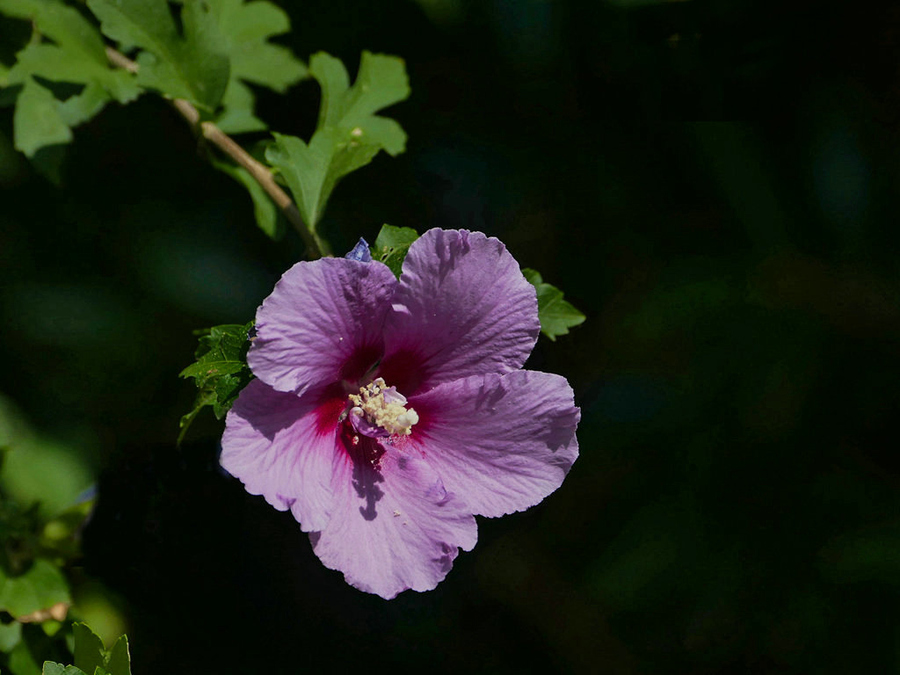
pixel 89 651
pixel 10 635
pixel 222 351
pixel 43 471
pixel 61 64
pixel 51 668
pixel 119 661
pixel 237 115
pixel 348 134
pixel 391 246
pixel 220 371
pixel 204 398
pixel 193 65
pixel 78 109
pixel 40 587
pixel 64 25
pixel 263 207
pixel 246 29
pixel 76 55
pixel 92 657
pixel 555 314
pixel 37 121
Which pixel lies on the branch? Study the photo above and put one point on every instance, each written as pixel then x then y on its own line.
pixel 260 172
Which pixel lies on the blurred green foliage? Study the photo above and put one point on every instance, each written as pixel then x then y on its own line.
pixel 44 501
pixel 91 657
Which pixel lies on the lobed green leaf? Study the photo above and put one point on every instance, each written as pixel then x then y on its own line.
pixel 246 29
pixel 192 65
pixel 555 314
pixel 238 116
pixel 392 245
pixel 348 134
pixel 76 55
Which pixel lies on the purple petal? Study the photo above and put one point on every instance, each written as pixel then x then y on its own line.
pixel 321 324
pixel 502 443
pixel 463 308
pixel 394 526
pixel 277 445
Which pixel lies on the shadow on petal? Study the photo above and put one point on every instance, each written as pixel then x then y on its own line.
pixel 366 454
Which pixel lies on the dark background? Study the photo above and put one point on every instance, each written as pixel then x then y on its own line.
pixel 713 183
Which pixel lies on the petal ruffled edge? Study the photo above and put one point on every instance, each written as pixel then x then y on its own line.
pixel 280 446
pixel 322 323
pixel 463 307
pixel 395 527
pixel 500 442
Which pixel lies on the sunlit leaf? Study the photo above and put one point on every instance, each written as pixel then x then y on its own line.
pixel 37 121
pixel 246 29
pixel 192 64
pixel 348 134
pixel 80 108
pixel 76 55
pixel 238 114
pixel 556 315
pixel 391 246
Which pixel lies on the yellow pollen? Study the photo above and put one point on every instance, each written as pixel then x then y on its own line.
pixel 384 407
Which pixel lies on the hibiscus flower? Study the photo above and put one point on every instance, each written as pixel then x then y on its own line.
pixel 385 414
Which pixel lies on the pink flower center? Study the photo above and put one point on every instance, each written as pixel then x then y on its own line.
pixel 379 410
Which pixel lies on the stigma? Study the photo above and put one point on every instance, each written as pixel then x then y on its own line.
pixel 379 410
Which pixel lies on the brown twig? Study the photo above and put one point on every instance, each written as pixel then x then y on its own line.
pixel 223 142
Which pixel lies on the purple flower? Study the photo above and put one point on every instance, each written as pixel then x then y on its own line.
pixel 386 414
